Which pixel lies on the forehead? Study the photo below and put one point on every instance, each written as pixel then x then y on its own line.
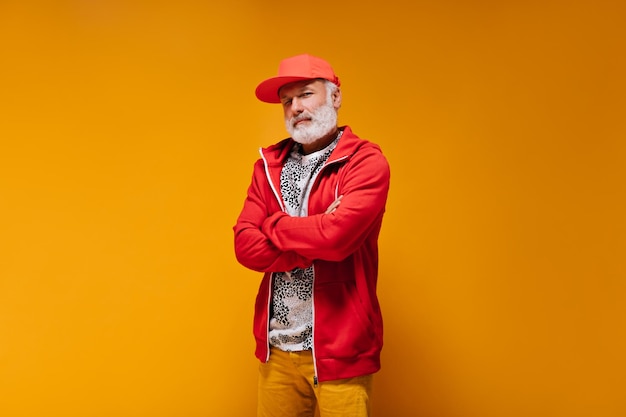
pixel 298 86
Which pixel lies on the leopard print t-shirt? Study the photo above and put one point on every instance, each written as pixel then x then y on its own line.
pixel 291 323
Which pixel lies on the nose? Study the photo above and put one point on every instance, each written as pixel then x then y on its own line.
pixel 296 105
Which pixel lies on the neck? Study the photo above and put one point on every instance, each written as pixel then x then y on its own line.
pixel 320 143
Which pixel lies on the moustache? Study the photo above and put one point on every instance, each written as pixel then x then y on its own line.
pixel 301 117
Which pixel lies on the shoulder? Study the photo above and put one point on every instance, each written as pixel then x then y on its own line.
pixel 359 148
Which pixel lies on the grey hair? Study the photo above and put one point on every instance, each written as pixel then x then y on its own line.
pixel 331 88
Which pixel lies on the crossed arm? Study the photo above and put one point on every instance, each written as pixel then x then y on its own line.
pixel 255 251
pixel 276 241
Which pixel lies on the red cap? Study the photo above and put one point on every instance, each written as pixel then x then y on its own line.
pixel 296 68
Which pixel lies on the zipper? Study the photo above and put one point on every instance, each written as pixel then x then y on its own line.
pixel 267 323
pixel 313 330
pixel 271 280
pixel 315 379
pixel 269 180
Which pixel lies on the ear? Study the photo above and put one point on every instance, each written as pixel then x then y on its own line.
pixel 337 99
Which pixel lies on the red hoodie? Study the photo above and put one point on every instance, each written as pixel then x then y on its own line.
pixel 341 246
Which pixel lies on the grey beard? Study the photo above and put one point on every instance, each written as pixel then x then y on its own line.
pixel 323 121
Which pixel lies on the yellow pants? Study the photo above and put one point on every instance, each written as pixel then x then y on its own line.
pixel 286 389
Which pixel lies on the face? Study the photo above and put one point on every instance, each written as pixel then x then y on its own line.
pixel 310 111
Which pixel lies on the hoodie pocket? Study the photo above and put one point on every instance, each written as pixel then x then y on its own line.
pixel 343 328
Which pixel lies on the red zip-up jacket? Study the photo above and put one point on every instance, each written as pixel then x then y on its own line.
pixel 342 247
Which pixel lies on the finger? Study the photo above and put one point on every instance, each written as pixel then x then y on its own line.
pixel 333 206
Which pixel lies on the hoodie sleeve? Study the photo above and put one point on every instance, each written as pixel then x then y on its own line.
pixel 337 235
pixel 253 249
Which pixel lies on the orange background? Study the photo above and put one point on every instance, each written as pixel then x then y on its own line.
pixel 128 130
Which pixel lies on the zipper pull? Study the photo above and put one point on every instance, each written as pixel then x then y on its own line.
pixel 315 381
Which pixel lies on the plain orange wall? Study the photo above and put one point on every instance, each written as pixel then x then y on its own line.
pixel 127 134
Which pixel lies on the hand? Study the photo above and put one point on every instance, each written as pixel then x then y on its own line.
pixel 333 206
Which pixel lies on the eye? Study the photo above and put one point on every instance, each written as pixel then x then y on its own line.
pixel 287 102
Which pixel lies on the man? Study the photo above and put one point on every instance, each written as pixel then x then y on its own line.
pixel 310 223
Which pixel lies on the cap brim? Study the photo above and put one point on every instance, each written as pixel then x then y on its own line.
pixel 267 91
